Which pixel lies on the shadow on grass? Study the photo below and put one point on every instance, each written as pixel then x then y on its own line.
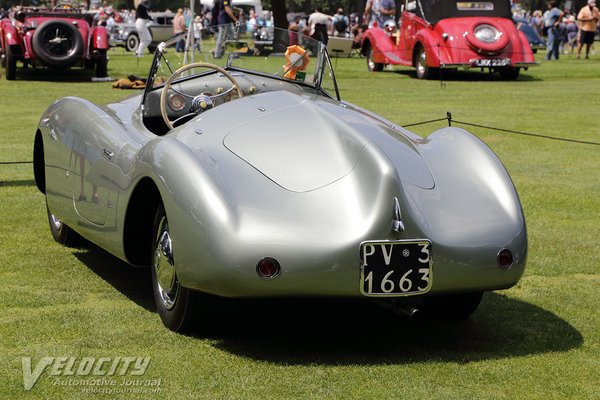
pixel 356 332
pixel 353 331
pixel 52 75
pixel 469 75
pixel 133 282
pixel 24 182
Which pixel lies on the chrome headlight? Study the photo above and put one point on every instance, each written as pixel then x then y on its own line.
pixel 487 33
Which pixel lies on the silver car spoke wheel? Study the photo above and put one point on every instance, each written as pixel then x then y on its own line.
pixel 164 266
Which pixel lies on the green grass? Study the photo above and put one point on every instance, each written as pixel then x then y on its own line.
pixel 538 340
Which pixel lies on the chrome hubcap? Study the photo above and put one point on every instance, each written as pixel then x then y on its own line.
pixel 370 61
pixel 56 223
pixel 421 62
pixel 164 266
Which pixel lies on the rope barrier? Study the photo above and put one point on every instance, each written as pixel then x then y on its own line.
pixel 537 135
pixel 528 134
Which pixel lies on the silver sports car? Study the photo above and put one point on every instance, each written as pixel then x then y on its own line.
pixel 247 176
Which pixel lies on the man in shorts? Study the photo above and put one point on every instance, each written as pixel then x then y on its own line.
pixel 588 20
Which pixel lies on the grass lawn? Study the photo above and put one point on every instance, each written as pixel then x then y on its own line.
pixel 538 340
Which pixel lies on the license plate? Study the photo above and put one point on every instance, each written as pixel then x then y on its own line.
pixel 395 268
pixel 491 62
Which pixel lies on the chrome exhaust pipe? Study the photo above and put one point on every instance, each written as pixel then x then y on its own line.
pixel 406 310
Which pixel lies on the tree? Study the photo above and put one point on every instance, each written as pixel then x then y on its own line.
pixel 280 20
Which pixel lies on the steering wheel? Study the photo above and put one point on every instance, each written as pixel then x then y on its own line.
pixel 201 102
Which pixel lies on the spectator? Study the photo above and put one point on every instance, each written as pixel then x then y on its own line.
pixel 226 19
pixel 552 20
pixel 318 23
pixel 537 22
pixel 214 13
pixel 341 23
pixel 357 36
pixel 198 26
pixel 572 33
pixel 179 30
pixel 588 19
pixel 293 33
pixel 379 11
pixel 142 18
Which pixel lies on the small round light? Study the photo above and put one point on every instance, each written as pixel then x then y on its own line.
pixel 487 33
pixel 505 259
pixel 268 268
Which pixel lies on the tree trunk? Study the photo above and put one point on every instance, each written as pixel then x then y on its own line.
pixel 280 21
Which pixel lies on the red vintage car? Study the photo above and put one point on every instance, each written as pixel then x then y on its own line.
pixel 60 38
pixel 450 34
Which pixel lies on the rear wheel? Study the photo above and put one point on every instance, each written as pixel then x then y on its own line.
pixel 423 70
pixel 10 64
pixel 372 65
pixel 455 306
pixel 175 303
pixel 61 232
pixel 132 42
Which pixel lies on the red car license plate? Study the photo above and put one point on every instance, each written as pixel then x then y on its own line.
pixel 491 62
pixel 395 268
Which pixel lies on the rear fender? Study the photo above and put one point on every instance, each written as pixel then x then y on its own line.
pixel 99 38
pixel 11 35
pixel 194 201
pixel 432 48
pixel 472 212
pixel 524 48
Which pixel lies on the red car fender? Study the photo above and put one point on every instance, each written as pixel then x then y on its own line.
pixel 99 38
pixel 11 35
pixel 381 44
pixel 433 50
pixel 525 48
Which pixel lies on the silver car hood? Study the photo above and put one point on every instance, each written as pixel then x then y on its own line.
pixel 302 144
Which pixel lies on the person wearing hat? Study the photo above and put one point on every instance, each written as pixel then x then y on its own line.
pixel 572 33
pixel 198 26
pixel 588 20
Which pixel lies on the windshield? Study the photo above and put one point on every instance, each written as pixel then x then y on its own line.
pixel 282 54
